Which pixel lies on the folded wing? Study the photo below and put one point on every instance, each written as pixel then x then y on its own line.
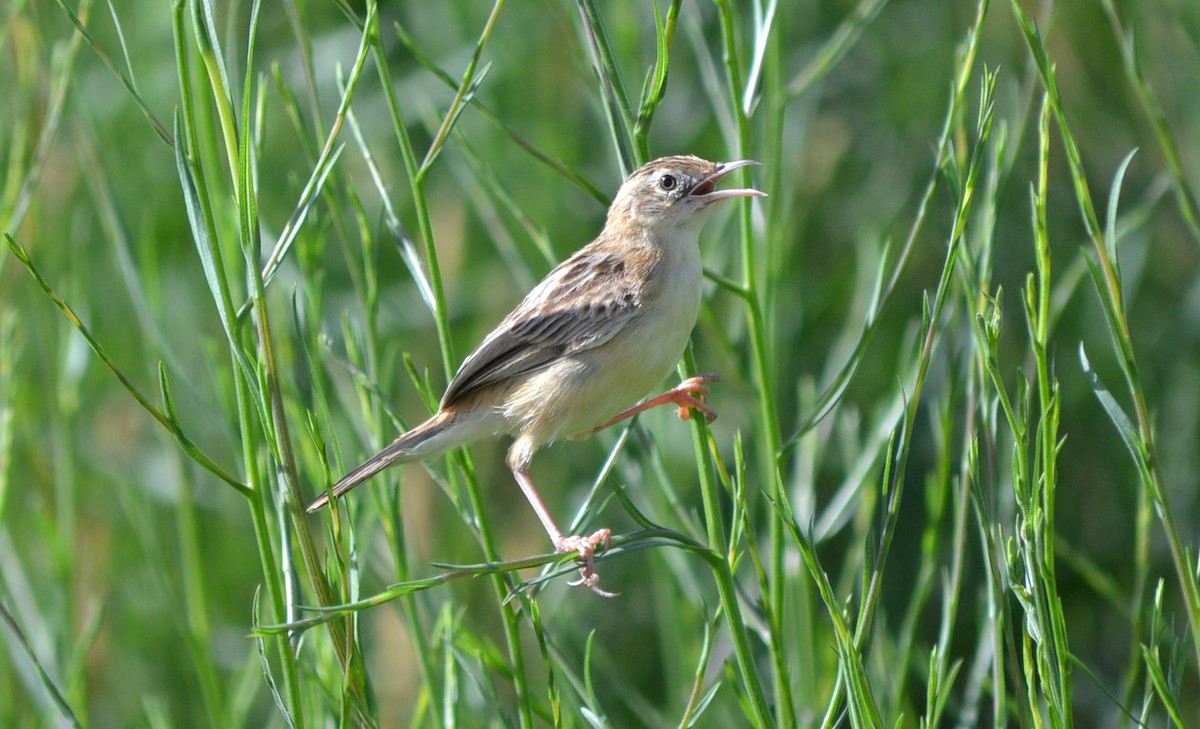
pixel 581 304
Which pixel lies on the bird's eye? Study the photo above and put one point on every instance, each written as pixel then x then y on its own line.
pixel 667 182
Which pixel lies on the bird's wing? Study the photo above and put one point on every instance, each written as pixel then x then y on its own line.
pixel 581 304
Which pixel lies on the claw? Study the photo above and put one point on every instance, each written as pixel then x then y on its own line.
pixel 586 548
pixel 690 394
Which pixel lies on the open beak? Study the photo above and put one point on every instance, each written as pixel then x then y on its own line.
pixel 706 189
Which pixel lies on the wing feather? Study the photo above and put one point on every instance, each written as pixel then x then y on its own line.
pixel 567 313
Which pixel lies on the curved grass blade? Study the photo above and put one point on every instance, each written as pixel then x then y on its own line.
pixel 166 421
pixel 329 156
pixel 80 25
pixel 1123 423
pixel 488 113
pixel 60 701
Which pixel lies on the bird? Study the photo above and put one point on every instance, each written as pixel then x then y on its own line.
pixel 598 333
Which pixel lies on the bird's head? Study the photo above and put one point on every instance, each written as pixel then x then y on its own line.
pixel 675 192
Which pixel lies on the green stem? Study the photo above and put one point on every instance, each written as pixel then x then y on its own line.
pixel 665 36
pixel 500 583
pixel 770 445
pixel 186 144
pixel 723 561
pixel 1057 654
pixel 616 102
pixel 1109 285
pixel 194 592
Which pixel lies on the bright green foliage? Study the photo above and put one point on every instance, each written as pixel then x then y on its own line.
pixel 953 481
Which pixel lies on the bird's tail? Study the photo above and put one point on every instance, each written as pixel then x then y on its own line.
pixel 436 435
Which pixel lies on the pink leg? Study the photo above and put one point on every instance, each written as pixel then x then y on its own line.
pixel 686 395
pixel 585 547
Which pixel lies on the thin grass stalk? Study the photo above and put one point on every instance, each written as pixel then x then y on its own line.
pixel 1185 194
pixel 770 440
pixel 1143 520
pixel 851 674
pixel 553 694
pixel 9 355
pixel 1158 685
pixel 944 147
pixel 462 94
pixel 187 156
pixel 369 361
pixel 981 441
pixel 166 420
pixel 616 101
pixel 975 271
pixel 501 584
pixel 14 215
pixel 320 154
pixel 1053 653
pixel 696 702
pixel 205 33
pixel 279 432
pixel 33 626
pixel 56 694
pixel 567 173
pixel 199 628
pixel 1108 283
pixel 987 327
pixel 1044 660
pixel 330 153
pixel 937 488
pixel 701 437
pixel 421 206
pixel 994 600
pixel 295 12
pixel 656 81
pixel 803 689
pixel 894 476
pixel 722 563
pixel 932 320
pixel 80 22
pixel 66 480
pixel 276 425
pixel 836 47
pixel 256 499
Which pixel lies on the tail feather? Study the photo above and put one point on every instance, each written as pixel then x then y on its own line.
pixel 420 442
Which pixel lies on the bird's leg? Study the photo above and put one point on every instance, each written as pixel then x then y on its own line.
pixel 585 547
pixel 686 395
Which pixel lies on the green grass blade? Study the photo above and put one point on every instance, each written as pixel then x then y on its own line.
pixel 60 701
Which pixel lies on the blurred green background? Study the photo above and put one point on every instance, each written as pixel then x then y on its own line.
pixel 130 574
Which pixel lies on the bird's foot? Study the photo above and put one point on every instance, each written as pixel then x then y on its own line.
pixel 690 394
pixel 585 549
